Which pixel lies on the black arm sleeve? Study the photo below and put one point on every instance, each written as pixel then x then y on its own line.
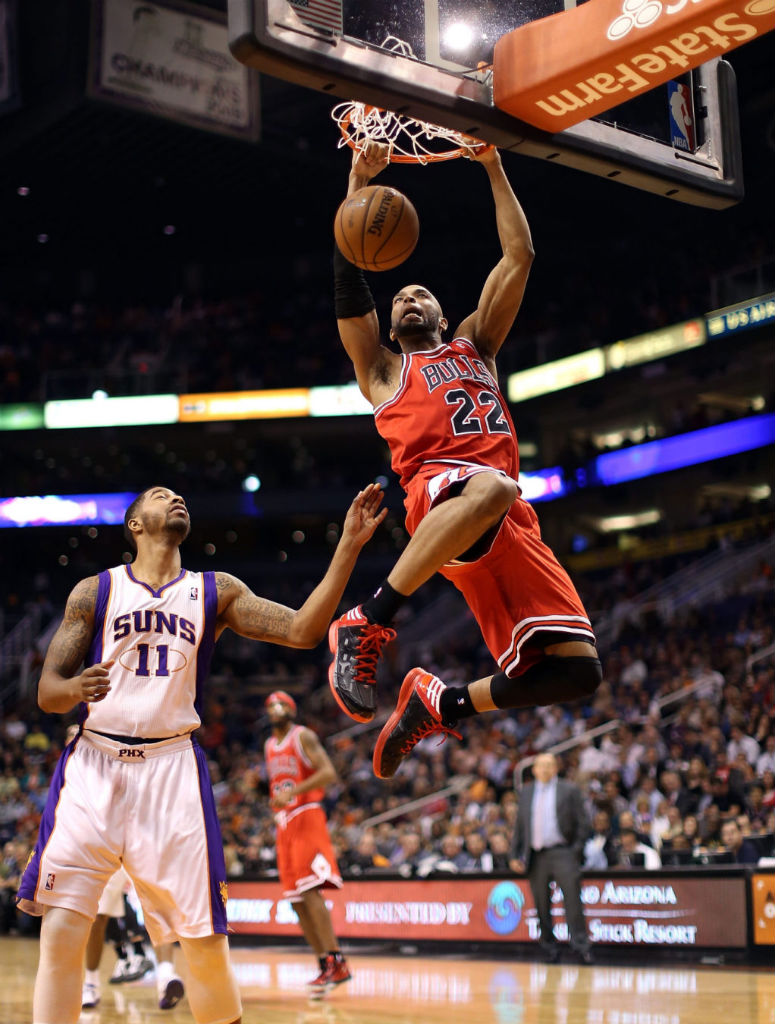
pixel 352 296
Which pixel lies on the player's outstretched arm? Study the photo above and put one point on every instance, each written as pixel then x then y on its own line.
pixel 504 288
pixel 356 315
pixel 61 686
pixel 261 619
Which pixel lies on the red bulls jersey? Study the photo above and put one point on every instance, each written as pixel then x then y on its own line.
pixel 287 764
pixel 448 408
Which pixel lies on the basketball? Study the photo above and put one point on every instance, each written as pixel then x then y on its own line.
pixel 376 228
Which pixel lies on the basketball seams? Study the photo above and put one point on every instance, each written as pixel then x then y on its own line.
pixel 399 256
pixel 364 235
pixel 366 214
pixel 396 222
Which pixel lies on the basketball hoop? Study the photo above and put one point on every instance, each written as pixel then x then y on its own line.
pixel 410 140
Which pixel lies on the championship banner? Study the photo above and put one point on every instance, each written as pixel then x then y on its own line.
pixel 570 66
pixel 657 912
pixel 171 59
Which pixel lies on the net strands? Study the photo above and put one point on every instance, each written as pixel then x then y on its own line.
pixel 410 141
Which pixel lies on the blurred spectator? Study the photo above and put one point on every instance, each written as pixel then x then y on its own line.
pixel 722 798
pixel 633 854
pixel 765 762
pixel 476 856
pixel 13 728
pixel 768 786
pixel 740 743
pixel 450 855
pixel 732 839
pixel 11 866
pixel 612 795
pixel 600 849
pixel 677 795
pixel 408 854
pixel 36 741
pixel 710 827
pixel 666 827
pixel 754 805
pixel 633 671
pixel 593 761
pixel 691 831
pixel 499 850
pixel 365 856
pixel 626 822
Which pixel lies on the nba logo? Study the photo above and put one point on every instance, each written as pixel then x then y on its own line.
pixel 682 130
pixel 193 594
pixel 50 881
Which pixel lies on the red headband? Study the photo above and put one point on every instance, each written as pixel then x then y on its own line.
pixel 281 697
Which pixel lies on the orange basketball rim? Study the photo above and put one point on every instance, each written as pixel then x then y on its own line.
pixel 410 140
pixel 570 66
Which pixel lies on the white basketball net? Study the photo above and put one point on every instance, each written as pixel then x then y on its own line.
pixel 409 140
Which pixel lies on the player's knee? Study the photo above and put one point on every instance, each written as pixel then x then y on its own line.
pixel 553 680
pixel 491 495
pixel 64 934
pixel 213 994
pixel 586 674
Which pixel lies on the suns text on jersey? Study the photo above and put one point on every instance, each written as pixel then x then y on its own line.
pixel 151 621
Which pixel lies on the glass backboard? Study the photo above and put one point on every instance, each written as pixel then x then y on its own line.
pixel 429 59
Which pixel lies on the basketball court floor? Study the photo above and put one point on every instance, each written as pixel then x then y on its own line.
pixel 421 989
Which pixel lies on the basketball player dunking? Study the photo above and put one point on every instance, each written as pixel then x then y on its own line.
pixel 453 444
pixel 133 788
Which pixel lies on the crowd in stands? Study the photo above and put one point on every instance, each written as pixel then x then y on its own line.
pixel 684 776
pixel 197 342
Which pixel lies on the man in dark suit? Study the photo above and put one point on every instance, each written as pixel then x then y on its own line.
pixel 732 839
pixel 548 845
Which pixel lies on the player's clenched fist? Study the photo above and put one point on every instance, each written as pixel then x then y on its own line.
pixel 93 683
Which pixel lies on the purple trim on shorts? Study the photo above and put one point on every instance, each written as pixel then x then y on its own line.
pixel 30 878
pixel 207 644
pixel 216 862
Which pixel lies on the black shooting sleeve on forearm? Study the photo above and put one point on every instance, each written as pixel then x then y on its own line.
pixel 352 296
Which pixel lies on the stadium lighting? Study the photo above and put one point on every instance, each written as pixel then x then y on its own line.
pixel 459 36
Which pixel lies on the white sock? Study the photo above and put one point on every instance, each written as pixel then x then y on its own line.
pixel 164 972
pixel 93 978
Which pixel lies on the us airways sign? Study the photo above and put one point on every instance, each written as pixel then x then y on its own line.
pixel 558 71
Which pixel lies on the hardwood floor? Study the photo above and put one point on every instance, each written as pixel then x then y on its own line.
pixel 421 989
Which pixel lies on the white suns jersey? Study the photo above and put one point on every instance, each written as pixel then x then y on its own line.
pixel 161 642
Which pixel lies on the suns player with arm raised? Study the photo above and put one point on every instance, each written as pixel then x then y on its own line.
pixel 133 787
pixel 299 771
pixel 454 446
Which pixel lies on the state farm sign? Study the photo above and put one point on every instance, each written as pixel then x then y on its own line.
pixel 558 71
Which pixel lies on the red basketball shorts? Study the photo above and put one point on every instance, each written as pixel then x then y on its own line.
pixel 305 856
pixel 517 591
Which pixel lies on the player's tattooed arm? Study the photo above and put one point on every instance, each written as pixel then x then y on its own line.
pixel 61 685
pixel 249 615
pixel 261 619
